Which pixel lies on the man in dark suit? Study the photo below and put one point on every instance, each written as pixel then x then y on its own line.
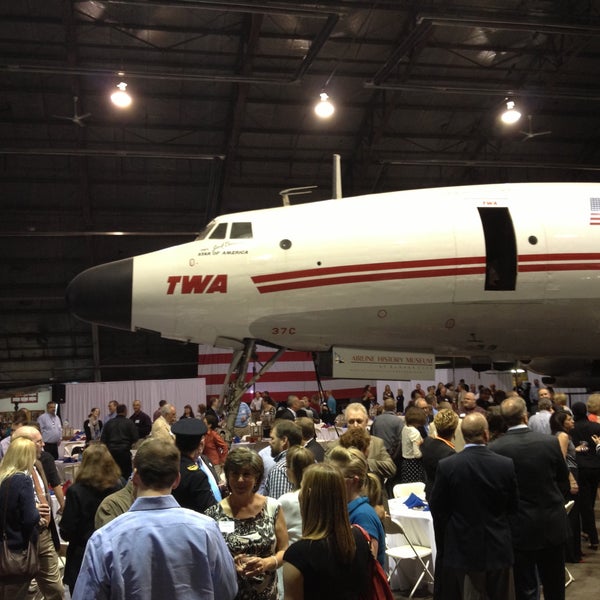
pixel 539 528
pixel 309 441
pixel 288 411
pixel 474 493
pixel 119 435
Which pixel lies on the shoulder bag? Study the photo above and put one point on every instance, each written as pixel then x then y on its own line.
pixel 380 587
pixel 16 565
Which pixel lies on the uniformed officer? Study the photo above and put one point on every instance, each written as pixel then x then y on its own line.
pixel 194 490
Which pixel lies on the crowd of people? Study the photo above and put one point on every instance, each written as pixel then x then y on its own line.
pixel 296 520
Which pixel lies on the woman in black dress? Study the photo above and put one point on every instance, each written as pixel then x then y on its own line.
pixel 98 476
pixel 331 559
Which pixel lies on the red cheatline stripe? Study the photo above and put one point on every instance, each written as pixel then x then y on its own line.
pixel 307 283
pixel 385 266
pixel 559 267
pixel 557 257
pixel 318 277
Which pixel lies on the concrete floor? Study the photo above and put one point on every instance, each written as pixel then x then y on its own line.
pixel 587 575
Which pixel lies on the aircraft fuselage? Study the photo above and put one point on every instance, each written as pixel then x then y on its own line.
pixel 506 271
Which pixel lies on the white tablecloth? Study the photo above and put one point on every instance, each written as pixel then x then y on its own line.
pixel 328 434
pixel 418 525
pixel 68 447
pixel 68 470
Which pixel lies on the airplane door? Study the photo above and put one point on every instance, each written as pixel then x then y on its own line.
pixel 493 246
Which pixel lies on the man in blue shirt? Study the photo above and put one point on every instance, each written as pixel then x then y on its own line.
pixel 112 411
pixel 157 549
pixel 331 403
pixel 241 426
pixel 51 428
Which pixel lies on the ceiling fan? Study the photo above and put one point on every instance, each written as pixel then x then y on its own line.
pixel 76 118
pixel 530 133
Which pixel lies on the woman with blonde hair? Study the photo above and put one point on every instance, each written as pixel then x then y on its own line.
pixel 593 406
pixel 354 468
pixel 98 476
pixel 331 560
pixel 19 514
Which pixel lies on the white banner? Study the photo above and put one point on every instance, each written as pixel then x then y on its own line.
pixel 360 363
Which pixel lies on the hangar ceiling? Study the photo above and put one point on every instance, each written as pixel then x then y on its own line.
pixel 222 120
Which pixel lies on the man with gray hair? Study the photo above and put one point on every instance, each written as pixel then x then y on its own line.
pixel 539 529
pixel 161 428
pixel 292 406
pixel 540 422
pixel 380 462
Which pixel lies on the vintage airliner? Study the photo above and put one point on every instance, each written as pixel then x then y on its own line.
pixel 491 273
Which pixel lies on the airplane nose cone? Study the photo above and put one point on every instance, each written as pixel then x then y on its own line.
pixel 102 294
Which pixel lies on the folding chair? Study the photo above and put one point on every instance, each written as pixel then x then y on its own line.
pixel 568 577
pixel 404 490
pixel 408 551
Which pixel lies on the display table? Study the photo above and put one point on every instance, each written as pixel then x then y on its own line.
pixel 69 446
pixel 418 525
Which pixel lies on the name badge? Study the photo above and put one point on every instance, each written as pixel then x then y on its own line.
pixel 227 526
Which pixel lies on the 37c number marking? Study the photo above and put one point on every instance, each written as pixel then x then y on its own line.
pixel 283 331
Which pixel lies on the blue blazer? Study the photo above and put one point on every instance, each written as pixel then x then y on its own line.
pixel 17 503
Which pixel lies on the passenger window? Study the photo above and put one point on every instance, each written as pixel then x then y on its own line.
pixel 241 231
pixel 500 249
pixel 220 233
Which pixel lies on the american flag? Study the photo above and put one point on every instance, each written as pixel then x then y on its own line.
pixel 594 211
pixel 293 373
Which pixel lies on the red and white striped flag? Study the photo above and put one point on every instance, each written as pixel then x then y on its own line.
pixel 293 373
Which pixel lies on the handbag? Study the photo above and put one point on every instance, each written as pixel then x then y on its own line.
pixel 16 566
pixel 380 587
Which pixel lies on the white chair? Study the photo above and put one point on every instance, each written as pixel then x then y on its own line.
pixel 404 490
pixel 568 577
pixel 408 551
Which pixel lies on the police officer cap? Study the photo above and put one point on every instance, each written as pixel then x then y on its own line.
pixel 192 427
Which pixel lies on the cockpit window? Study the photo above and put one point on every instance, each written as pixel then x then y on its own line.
pixel 220 233
pixel 241 230
pixel 202 235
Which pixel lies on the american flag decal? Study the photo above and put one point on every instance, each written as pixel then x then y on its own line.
pixel 594 211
